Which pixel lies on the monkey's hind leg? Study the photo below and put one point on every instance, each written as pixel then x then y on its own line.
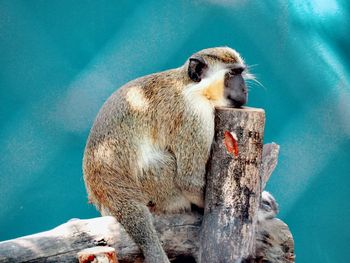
pixel 137 221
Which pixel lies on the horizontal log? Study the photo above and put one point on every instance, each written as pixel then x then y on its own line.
pixel 178 233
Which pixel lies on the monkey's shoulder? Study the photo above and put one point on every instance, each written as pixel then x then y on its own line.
pixel 156 92
pixel 157 85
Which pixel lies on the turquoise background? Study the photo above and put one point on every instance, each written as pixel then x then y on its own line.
pixel 60 60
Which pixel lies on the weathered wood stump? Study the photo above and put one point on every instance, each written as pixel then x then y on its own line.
pixel 233 186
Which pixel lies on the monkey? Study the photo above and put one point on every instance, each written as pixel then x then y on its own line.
pixel 148 147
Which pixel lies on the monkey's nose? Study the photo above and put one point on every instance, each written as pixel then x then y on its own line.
pixel 237 70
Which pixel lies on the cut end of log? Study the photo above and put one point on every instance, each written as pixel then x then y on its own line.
pixel 98 255
pixel 246 109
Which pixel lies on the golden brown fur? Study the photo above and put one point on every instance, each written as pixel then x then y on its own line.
pixel 149 145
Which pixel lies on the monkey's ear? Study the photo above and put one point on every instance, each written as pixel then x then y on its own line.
pixel 196 68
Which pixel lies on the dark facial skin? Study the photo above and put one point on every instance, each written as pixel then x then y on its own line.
pixel 235 90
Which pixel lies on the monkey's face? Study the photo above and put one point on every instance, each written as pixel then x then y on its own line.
pixel 219 73
pixel 235 89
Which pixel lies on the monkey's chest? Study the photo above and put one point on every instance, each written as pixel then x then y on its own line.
pixel 201 122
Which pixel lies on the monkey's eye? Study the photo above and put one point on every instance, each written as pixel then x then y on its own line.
pixel 237 70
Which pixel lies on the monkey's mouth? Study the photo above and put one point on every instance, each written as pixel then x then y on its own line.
pixel 237 102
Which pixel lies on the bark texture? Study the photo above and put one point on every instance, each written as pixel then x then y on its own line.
pixel 233 186
pixel 269 162
pixel 179 234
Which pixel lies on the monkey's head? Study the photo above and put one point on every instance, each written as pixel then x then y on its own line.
pixel 218 74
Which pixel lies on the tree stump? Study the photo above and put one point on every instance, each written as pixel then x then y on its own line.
pixel 233 186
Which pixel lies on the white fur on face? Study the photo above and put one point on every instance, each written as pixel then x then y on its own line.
pixel 214 74
pixel 200 105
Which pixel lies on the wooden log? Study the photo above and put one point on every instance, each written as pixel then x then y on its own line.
pixel 233 186
pixel 178 233
pixel 274 242
pixel 98 255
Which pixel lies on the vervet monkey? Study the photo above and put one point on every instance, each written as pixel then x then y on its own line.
pixel 148 148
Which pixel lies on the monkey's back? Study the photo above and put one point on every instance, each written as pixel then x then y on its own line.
pixel 128 155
